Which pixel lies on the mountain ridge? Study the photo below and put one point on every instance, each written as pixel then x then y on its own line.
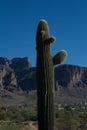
pixel 18 74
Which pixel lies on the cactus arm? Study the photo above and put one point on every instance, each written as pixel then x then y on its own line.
pixel 50 40
pixel 59 57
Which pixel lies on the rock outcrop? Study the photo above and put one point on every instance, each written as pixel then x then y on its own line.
pixel 71 81
pixel 71 76
pixel 14 72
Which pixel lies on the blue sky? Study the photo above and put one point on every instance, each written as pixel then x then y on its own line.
pixel 67 20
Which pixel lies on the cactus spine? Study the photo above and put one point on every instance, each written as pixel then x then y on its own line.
pixel 45 76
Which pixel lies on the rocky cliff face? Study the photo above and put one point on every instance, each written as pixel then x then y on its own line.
pixel 16 74
pixel 71 76
pixel 7 75
pixel 71 81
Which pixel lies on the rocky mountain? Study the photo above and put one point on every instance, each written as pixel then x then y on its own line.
pixel 18 74
pixel 71 81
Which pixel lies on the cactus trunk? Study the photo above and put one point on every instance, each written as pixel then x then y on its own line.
pixel 45 78
pixel 45 83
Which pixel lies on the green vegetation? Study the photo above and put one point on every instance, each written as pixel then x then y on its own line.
pixel 71 117
pixel 19 114
pixel 17 118
pixel 67 117
pixel 11 127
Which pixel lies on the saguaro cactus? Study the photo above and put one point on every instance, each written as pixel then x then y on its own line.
pixel 45 76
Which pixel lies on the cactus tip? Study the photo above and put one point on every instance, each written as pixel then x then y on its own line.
pixel 64 52
pixel 43 20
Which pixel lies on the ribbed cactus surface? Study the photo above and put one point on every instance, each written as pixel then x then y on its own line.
pixel 45 76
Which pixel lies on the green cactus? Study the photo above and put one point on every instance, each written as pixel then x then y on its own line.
pixel 59 57
pixel 45 76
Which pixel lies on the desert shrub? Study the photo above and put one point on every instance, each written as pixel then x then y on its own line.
pixel 19 113
pixel 29 114
pixel 65 120
pixel 15 116
pixel 22 114
pixel 2 115
pixel 11 127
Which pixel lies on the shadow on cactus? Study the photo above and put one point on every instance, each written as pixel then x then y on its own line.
pixel 45 75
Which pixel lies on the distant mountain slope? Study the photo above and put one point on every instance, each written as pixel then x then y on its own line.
pixel 71 76
pixel 71 81
pixel 13 74
pixel 18 74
